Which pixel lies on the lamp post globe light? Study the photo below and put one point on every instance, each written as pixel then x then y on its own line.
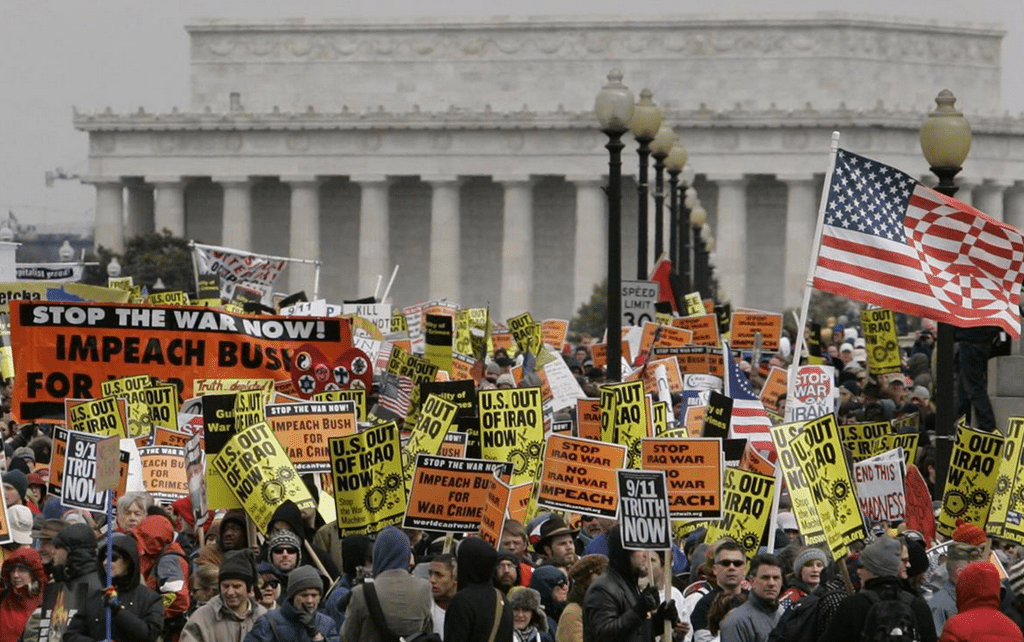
pixel 644 125
pixel 675 162
pixel 660 147
pixel 945 143
pixel 614 110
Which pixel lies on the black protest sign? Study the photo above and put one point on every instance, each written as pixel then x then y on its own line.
pixel 643 510
pixel 78 484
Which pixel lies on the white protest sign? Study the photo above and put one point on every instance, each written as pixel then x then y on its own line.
pixel 643 510
pixel 638 299
pixel 879 482
pixel 379 314
pixel 237 266
pixel 52 272
pixel 813 393
pixel 565 389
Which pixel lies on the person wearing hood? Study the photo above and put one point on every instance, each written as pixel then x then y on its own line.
pixel 22 579
pixel 357 561
pixel 289 517
pixel 137 612
pixel 979 619
pixel 231 536
pixel 406 601
pixel 298 619
pixel 880 574
pixel 164 567
pixel 553 587
pixel 614 608
pixel 74 565
pixel 230 615
pixel 477 607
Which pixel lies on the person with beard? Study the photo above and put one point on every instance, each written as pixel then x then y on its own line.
pixel 230 615
pixel 477 612
pixel 614 608
pixel 288 517
pixel 231 536
pixel 136 612
pixel 21 591
pixel 507 572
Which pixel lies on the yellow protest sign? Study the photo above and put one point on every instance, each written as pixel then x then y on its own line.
pixel 803 506
pixel 819 453
pixel 907 441
pixel 162 401
pixel 694 304
pixel 862 439
pixel 1004 520
pixel 42 291
pixel 249 409
pixel 355 395
pixel 881 342
pixel 259 474
pixel 132 389
pixel 512 429
pixel 579 476
pixel 437 336
pixel 6 352
pixel 367 472
pixel 657 416
pixel 435 420
pixel 527 333
pixel 747 507
pixel 693 470
pixel 304 429
pixel 471 332
pixel 214 386
pixel 104 416
pixel 624 417
pixel 168 298
pixel 973 473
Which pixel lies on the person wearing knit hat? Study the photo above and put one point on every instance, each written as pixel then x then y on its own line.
pixel 405 601
pixel 808 567
pixel 15 487
pixel 298 619
pixel 969 533
pixel 27 454
pixel 880 580
pixel 231 614
pixel 284 551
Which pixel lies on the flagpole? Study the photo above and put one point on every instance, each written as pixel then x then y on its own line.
pixel 798 347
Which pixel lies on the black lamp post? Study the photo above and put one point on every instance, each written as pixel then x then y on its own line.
pixel 698 222
pixel 674 162
pixel 660 147
pixel 614 110
pixel 945 142
pixel 644 124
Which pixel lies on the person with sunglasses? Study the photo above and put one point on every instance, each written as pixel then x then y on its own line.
pixel 730 568
pixel 231 614
pixel 269 585
pixel 137 611
pixel 553 586
pixel 284 553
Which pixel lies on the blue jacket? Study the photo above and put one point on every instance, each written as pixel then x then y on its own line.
pixel 284 622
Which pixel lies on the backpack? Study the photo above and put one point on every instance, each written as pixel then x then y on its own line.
pixel 798 623
pixel 890 619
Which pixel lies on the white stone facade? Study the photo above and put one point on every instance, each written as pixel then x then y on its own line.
pixel 466 152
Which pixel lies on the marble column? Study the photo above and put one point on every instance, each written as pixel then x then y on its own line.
pixel 236 224
pixel 517 245
pixel 109 214
pixel 140 208
pixel 988 198
pixel 445 238
pixel 731 237
pixel 304 233
pixel 801 220
pixel 1014 211
pixel 374 220
pixel 169 204
pixel 591 258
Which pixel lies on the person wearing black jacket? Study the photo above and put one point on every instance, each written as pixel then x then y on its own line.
pixel 137 612
pixel 472 611
pixel 614 608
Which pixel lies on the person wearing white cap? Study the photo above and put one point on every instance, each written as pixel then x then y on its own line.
pixel 19 521
pixel 786 522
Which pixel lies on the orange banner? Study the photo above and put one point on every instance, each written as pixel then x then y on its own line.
pixel 588 418
pixel 66 349
pixel 693 470
pixel 703 327
pixel 579 476
pixel 746 323
pixel 163 472
pixel 519 502
pixel 304 428
pixel 492 520
pixel 449 494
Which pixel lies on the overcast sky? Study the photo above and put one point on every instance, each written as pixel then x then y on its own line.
pixel 131 53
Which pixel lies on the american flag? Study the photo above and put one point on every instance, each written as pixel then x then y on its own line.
pixel 395 392
pixel 891 241
pixel 749 419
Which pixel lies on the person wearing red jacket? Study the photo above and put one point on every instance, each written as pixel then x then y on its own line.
pixel 979 618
